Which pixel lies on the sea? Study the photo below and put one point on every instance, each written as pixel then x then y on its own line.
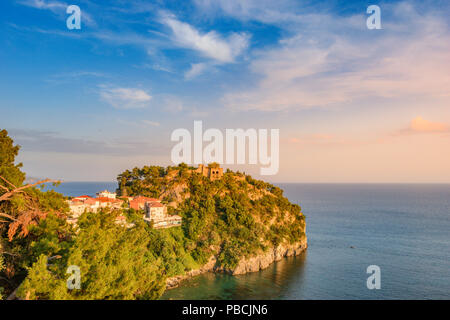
pixel 402 229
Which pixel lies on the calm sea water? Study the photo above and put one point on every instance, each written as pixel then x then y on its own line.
pixel 73 189
pixel 404 229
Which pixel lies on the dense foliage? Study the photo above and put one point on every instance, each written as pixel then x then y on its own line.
pixel 21 208
pixel 231 218
pixel 115 263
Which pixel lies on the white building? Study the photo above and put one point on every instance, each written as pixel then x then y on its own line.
pixel 106 194
pixel 76 207
pixel 156 212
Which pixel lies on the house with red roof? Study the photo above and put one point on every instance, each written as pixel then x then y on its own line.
pixel 82 197
pixel 80 204
pixel 156 213
pixel 138 203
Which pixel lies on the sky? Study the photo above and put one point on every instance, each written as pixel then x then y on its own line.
pixel 353 105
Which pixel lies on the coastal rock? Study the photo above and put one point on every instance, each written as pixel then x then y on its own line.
pixel 173 282
pixel 245 265
pixel 262 261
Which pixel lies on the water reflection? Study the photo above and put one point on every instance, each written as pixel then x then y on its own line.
pixel 271 283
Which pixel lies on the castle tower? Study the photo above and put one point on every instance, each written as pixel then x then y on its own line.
pixel 213 171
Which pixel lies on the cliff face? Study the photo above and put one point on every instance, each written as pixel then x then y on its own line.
pixel 262 261
pixel 173 282
pixel 245 265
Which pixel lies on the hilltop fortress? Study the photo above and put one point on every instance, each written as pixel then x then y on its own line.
pixel 213 171
pixel 228 147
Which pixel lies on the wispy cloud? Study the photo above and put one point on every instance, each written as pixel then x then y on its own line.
pixel 417 125
pixel 209 44
pixel 151 123
pixel 59 8
pixel 69 77
pixel 125 98
pixel 156 67
pixel 49 141
pixel 195 70
pixel 54 6
pixel 336 61
pixel 217 48
pixel 266 11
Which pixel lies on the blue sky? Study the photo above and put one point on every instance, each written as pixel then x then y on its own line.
pixel 352 104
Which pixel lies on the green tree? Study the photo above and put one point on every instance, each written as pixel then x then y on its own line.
pixel 8 169
pixel 115 263
pixel 21 208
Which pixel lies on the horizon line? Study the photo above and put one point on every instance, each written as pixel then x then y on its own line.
pixel 282 182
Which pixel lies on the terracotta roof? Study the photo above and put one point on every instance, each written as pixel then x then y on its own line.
pixel 91 201
pixel 104 199
pixel 154 204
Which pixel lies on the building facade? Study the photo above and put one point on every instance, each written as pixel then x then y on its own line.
pixel 80 204
pixel 157 213
pixel 106 194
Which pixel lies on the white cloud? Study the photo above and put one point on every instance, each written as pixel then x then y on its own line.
pixel 209 44
pixel 125 98
pixel 322 67
pixel 195 70
pixel 156 66
pixel 54 6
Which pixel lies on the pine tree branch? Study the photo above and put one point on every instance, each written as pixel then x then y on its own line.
pixel 8 182
pixel 16 190
pixel 7 216
pixel 9 253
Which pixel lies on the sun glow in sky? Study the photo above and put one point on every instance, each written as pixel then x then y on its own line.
pixel 352 104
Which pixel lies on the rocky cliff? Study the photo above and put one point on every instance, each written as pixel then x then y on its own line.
pixel 245 265
pixel 263 260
